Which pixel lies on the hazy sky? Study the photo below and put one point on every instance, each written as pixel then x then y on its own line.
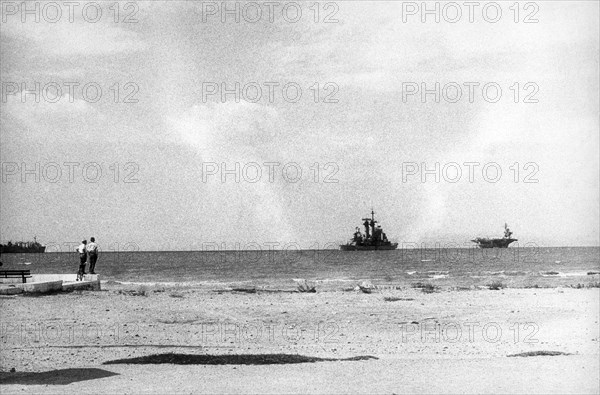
pixel 367 131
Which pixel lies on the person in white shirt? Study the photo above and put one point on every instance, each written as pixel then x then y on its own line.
pixel 82 257
pixel 92 250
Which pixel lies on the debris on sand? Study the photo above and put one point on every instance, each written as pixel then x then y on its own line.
pixel 245 290
pixel 539 354
pixel 396 299
pixel 230 359
pixel 550 273
pixel 427 288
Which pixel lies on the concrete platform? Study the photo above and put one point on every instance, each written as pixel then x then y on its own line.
pixel 10 290
pixel 14 280
pixel 85 285
pixel 45 283
pixel 42 286
pixel 63 277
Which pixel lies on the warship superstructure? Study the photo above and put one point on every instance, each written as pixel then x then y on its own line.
pixel 22 247
pixel 373 239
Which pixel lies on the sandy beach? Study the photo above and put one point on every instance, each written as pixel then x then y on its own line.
pixel 450 341
pixel 299 197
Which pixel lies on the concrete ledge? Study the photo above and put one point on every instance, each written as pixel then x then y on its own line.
pixel 81 286
pixel 11 290
pixel 41 278
pixel 44 283
pixel 42 287
pixel 13 280
pixel 64 277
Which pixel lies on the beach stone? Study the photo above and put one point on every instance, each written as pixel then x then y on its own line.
pixel 366 286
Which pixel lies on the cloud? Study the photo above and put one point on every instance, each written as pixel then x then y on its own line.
pixel 239 133
pixel 26 109
pixel 221 129
pixel 77 38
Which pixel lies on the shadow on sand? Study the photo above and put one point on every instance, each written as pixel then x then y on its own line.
pixel 54 377
pixel 244 359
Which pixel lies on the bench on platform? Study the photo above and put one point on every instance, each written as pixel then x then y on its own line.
pixel 23 274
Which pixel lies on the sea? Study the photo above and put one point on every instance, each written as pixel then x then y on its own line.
pixel 333 269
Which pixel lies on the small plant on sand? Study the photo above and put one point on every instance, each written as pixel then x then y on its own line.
pixel 429 288
pixel 582 286
pixel 142 290
pixel 589 285
pixel 496 285
pixel 305 286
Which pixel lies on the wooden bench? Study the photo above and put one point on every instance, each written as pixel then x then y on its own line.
pixel 23 274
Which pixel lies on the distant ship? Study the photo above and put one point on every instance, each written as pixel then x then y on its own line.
pixel 373 239
pixel 22 247
pixel 484 242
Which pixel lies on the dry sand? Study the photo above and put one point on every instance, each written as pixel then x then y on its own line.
pixel 443 342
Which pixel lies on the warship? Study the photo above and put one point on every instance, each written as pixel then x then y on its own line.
pixel 484 242
pixel 22 247
pixel 373 239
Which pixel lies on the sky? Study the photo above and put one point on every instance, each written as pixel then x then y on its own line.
pixel 134 138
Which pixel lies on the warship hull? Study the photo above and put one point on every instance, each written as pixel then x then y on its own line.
pixel 22 250
pixel 493 243
pixel 22 247
pixel 350 247
pixel 504 242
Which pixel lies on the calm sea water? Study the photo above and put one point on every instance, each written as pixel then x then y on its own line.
pixel 451 267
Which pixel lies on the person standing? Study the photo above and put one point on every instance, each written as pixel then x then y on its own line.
pixel 82 257
pixel 92 250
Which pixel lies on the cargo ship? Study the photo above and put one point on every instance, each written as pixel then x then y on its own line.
pixel 485 242
pixel 32 247
pixel 373 239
